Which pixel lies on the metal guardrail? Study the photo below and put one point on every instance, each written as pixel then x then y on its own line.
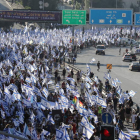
pixel 77 69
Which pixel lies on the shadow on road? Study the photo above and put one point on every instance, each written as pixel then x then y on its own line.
pixel 125 66
pixel 112 55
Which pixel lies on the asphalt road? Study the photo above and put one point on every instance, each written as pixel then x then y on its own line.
pixel 4 5
pixel 130 79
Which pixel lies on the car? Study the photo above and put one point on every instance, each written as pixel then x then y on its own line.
pixel 133 55
pixel 127 57
pixel 134 66
pixel 137 51
pixel 100 49
pixel 127 41
pixel 137 44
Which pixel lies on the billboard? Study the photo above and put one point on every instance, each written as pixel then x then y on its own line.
pixel 50 16
pixel 109 16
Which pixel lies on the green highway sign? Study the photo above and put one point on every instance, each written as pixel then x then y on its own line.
pixel 74 17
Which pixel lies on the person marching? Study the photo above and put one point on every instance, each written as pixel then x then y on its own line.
pixel 98 65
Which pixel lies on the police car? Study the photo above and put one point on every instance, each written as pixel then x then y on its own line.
pixel 100 49
pixel 134 66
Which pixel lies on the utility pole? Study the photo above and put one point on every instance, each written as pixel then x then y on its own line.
pixel 116 3
pixel 139 4
pixel 85 4
pixel 73 29
pixel 91 3
pixel 85 9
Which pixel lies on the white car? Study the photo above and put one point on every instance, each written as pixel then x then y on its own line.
pixel 127 57
pixel 137 51
pixel 134 66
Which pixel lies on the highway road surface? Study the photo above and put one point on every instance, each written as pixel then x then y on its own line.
pixel 4 5
pixel 130 79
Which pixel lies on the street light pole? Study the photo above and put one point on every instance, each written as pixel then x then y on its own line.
pixel 116 4
pixel 85 4
pixel 43 10
pixel 139 5
pixel 43 5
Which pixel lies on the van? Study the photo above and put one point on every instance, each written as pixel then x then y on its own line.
pixel 100 49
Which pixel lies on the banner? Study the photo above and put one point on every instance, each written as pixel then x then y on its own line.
pixel 57 116
pixel 32 15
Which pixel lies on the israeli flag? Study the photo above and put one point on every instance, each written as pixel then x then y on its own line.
pixel 16 122
pixel 28 80
pixel 114 83
pixel 61 91
pixel 88 97
pixel 133 133
pixel 50 82
pixel 34 135
pixel 68 68
pixel 2 114
pixel 87 132
pixel 93 60
pixel 12 87
pixel 26 130
pixel 64 99
pixel 87 79
pixel 40 114
pixel 82 111
pixel 45 102
pixel 59 134
pixel 107 76
pixel 36 90
pixel 33 79
pixel 11 73
pixel 117 80
pixel 7 92
pixel 96 90
pixel 101 102
pixel 17 133
pixel 68 87
pixel 88 69
pixel 26 103
pixel 85 122
pixel 50 119
pixel 70 79
pixel 94 98
pixel 16 95
pixel 21 118
pixel 44 132
pixel 121 136
pixel 45 92
pixel 127 136
pixel 132 93
pixel 119 90
pixel 96 80
pixel 75 93
pixel 87 85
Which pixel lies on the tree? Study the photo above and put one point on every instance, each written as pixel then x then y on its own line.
pixel 134 7
pixel 106 3
pixel 78 5
pixel 6 24
pixel 34 4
